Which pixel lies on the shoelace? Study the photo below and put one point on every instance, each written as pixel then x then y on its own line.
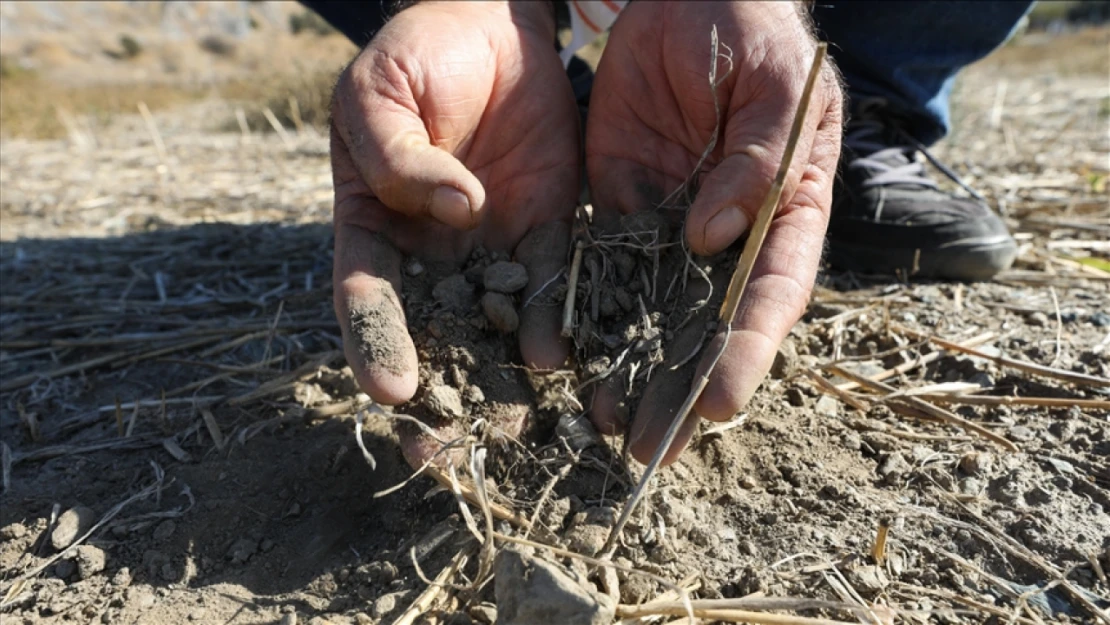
pixel 887 164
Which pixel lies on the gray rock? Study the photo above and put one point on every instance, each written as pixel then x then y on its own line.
pixel 500 311
pixel 577 431
pixel 65 569
pixel 505 277
pixel 444 401
pixel 786 360
pixel 894 467
pixel 827 406
pixel 385 604
pixel 164 530
pixel 90 561
pixel 530 591
pixel 1037 320
pixel 242 550
pixel 72 524
pixel 454 293
pixel 977 463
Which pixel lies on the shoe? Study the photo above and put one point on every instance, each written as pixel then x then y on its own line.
pixel 889 217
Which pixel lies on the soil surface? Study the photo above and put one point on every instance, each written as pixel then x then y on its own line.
pixel 178 424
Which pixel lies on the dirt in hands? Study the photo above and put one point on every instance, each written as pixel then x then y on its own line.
pixel 379 332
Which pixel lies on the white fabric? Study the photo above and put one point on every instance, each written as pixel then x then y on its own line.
pixel 588 19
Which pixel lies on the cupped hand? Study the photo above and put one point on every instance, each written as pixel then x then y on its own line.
pixel 651 117
pixel 455 126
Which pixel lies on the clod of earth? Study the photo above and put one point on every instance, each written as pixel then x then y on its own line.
pixel 72 524
pixel 530 591
pixel 454 293
pixel 505 277
pixel 444 401
pixel 500 311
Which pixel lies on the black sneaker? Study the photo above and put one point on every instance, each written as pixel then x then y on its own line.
pixel 889 217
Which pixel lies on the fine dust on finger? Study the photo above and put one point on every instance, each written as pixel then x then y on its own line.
pixel 379 333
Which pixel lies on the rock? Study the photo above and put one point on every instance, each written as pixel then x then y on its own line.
pixel 122 578
pixel 870 578
pixel 414 268
pixel 500 311
pixel 531 591
pixel 454 293
pixel 827 406
pixel 242 550
pixel 505 277
pixel 90 561
pixel 1037 320
pixel 15 531
pixel 289 618
pixel 385 604
pixel 1100 319
pixel 587 539
pixel 72 524
pixel 786 360
pixel 578 432
pixel 164 530
pixel 1021 434
pixel 977 463
pixel 894 467
pixel 444 401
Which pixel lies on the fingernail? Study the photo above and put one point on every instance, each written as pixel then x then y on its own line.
pixel 451 206
pixel 725 227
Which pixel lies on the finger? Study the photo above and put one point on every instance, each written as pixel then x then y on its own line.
pixel 755 138
pixel 367 278
pixel 664 395
pixel 379 122
pixel 782 279
pixel 543 253
pixel 608 412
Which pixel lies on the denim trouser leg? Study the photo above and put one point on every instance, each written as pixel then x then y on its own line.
pixel 910 51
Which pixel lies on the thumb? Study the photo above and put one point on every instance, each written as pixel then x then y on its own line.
pixel 394 154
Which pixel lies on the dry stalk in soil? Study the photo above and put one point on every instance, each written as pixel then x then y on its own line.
pixel 735 290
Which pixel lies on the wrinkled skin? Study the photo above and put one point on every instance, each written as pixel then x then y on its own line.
pixel 457 126
pixel 651 116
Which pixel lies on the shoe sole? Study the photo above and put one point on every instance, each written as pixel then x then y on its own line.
pixel 969 260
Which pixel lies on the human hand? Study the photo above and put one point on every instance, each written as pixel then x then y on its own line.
pixel 456 126
pixel 651 117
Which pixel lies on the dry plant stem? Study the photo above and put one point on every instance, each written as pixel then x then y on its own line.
pixel 497 510
pixel 1006 400
pixel 726 614
pixel 572 288
pixel 906 367
pixel 1021 365
pixel 971 603
pixel 433 591
pixel 929 409
pixel 732 297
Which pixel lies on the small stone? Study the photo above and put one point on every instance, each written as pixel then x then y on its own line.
pixel 14 531
pixel 385 604
pixel 827 406
pixel 749 548
pixel 587 539
pixel 500 311
pixel 578 432
pixel 196 614
pixel 727 535
pixel 289 618
pixel 414 268
pixel 530 591
pixel 90 560
pixel 444 401
pixel 1100 319
pixel 474 394
pixel 164 530
pixel 871 578
pixel 1037 320
pixel 362 618
pixel 122 578
pixel 505 277
pixel 786 360
pixel 454 293
pixel 894 467
pixel 73 523
pixel 242 550
pixel 1021 433
pixel 977 463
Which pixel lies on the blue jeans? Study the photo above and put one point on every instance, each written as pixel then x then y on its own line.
pixel 910 52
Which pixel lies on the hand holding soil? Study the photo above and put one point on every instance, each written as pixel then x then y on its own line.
pixel 652 116
pixel 454 128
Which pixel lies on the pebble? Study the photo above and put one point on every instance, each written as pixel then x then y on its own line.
pixel 505 277
pixel 578 432
pixel 414 268
pixel 72 524
pixel 15 531
pixel 894 467
pixel 385 604
pixel 1021 433
pixel 289 618
pixel 454 293
pixel 786 360
pixel 90 560
pixel 1100 319
pixel 242 550
pixel 977 463
pixel 794 396
pixel 1037 319
pixel 827 406
pixel 484 613
pixel 444 401
pixel 65 569
pixel 500 311
pixel 530 591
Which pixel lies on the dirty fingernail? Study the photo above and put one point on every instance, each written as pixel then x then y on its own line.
pixel 450 206
pixel 725 227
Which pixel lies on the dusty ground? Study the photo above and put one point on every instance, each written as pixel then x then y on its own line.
pixel 169 370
